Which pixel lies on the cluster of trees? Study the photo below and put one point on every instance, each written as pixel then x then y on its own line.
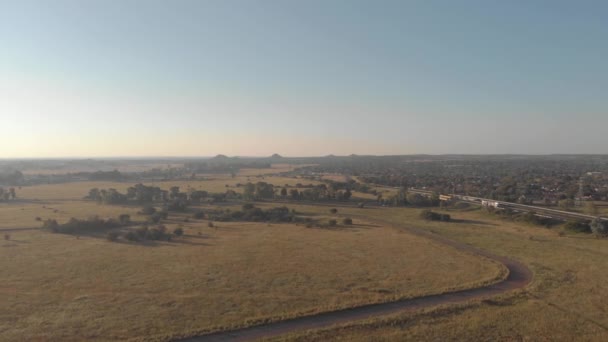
pixel 249 212
pixel 91 225
pixel 96 225
pixel 172 200
pixel 433 216
pixel 7 194
pixel 12 178
pixel 320 192
pixel 145 233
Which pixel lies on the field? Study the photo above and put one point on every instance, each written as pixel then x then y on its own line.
pixel 63 287
pixel 566 300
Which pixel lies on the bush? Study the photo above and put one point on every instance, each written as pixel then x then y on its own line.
pixel 333 210
pixel 155 218
pixel 142 232
pixel 148 210
pixel 433 216
pixel 131 236
pixel 51 225
pixel 178 231
pixel 210 224
pixel 332 223
pixel 157 233
pixel 38 218
pixel 347 221
pixel 112 236
pixel 7 237
pixel 577 227
pixel 199 215
pixel 124 219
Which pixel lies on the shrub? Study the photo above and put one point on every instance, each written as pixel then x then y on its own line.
pixel 332 223
pixel 433 216
pixel 7 237
pixel 38 218
pixel 148 210
pixel 51 225
pixel 131 236
pixel 157 233
pixel 163 214
pixel 112 236
pixel 155 218
pixel 361 205
pixel 210 224
pixel 199 215
pixel 124 219
pixel 333 210
pixel 577 227
pixel 142 232
pixel 347 221
pixel 178 231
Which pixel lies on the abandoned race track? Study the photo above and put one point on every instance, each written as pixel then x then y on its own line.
pixel 519 276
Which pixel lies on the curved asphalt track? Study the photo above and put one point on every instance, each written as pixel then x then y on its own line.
pixel 519 276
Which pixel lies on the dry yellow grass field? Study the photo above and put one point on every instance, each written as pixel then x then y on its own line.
pixel 567 300
pixel 59 287
pixel 62 287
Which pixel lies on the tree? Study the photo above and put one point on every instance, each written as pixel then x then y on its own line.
pixel 284 192
pixel 249 192
pixel 94 194
pixel 174 192
pixel 294 193
pixel 12 192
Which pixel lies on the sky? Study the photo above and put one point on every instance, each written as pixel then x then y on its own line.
pixel 302 78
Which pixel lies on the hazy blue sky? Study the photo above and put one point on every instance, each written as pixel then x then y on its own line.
pixel 124 77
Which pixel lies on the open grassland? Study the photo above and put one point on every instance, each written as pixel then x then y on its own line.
pixel 566 301
pixel 59 287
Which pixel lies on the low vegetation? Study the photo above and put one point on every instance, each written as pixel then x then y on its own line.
pixel 433 216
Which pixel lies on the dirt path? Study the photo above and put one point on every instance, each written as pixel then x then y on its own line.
pixel 519 276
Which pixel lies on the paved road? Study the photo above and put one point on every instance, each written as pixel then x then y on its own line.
pixel 519 276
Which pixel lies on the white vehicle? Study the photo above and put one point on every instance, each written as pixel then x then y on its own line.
pixel 490 204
